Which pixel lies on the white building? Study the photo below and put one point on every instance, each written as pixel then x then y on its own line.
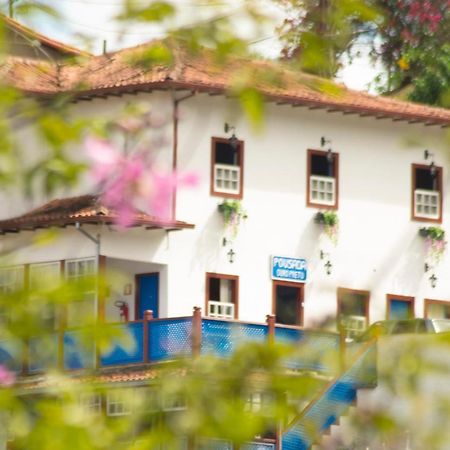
pixel 376 177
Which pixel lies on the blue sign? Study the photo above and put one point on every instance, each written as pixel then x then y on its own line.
pixel 289 269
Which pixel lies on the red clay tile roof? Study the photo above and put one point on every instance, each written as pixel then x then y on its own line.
pixel 44 40
pixel 118 73
pixel 85 209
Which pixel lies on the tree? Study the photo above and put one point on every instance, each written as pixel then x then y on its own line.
pixel 409 37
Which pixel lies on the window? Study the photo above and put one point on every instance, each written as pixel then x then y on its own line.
pixel 227 165
pixel 288 302
pixel 45 277
pixel 81 271
pixel 322 180
pixel 11 280
pixel 437 309
pixel 118 403
pixel 91 402
pixel 399 307
pixel 222 296
pixel 353 311
pixel 427 193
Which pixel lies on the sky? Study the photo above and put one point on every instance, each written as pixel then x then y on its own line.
pixel 90 22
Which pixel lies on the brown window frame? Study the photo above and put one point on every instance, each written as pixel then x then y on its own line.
pixel 240 149
pixel 403 298
pixel 300 306
pixel 429 301
pixel 224 277
pixel 341 291
pixel 439 175
pixel 309 155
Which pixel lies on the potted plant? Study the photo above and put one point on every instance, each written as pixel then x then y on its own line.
pixel 330 221
pixel 232 214
pixel 435 243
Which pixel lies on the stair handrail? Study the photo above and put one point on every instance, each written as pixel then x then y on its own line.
pixel 329 385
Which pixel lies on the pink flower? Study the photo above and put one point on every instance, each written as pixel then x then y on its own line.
pixel 7 378
pixel 132 184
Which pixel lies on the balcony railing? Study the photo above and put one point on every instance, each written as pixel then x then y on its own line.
pixel 156 340
pixel 220 310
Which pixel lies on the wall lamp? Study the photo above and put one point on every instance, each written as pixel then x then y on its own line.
pixel 323 142
pixel 428 155
pixel 433 280
pixel 328 266
pixel 231 254
pixel 233 140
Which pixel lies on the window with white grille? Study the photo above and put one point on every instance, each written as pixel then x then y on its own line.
pixel 427 204
pixel 227 179
pixel 118 403
pixel 322 190
pixel 427 192
pixel 81 271
pixel 221 292
pixel 11 279
pixel 322 178
pixel 353 307
pixel 227 168
pixel 91 402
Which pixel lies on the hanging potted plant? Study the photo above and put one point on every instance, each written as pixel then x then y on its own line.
pixel 232 214
pixel 330 222
pixel 435 243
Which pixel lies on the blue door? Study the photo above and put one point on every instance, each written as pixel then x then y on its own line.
pixel 400 309
pixel 147 294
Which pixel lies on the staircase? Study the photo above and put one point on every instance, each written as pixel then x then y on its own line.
pixel 332 402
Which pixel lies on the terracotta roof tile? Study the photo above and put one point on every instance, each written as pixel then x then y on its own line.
pixel 116 73
pixel 82 209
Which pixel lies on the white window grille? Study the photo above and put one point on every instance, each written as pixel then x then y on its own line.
pixel 91 402
pixel 220 310
pixel 322 190
pixel 353 325
pixel 45 275
pixel 227 178
pixel 427 204
pixel 118 403
pixel 79 268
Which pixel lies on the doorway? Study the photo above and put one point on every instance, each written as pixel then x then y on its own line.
pixel 147 294
pixel 287 303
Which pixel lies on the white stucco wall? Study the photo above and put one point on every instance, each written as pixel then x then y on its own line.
pixel 378 249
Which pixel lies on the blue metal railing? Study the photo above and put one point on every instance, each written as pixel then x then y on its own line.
pixel 157 340
pixel 329 405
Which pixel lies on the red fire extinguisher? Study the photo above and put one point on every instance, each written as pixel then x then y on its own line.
pixel 123 309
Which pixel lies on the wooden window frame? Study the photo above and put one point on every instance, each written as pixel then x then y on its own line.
pixel 439 175
pixel 214 141
pixel 309 155
pixel 300 306
pixel 429 301
pixel 403 298
pixel 341 291
pixel 224 277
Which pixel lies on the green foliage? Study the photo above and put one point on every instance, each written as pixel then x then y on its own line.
pixel 327 218
pixel 434 233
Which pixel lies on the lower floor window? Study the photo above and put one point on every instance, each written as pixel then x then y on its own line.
pixel 222 295
pixel 353 311
pixel 437 309
pixel 399 307
pixel 118 403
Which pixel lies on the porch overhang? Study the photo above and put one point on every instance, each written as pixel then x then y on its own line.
pixel 85 209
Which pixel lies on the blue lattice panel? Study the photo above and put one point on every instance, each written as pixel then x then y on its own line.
pixel 11 355
pixel 325 411
pixel 169 338
pixel 221 338
pixel 43 353
pixel 79 352
pixel 288 335
pixel 128 347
